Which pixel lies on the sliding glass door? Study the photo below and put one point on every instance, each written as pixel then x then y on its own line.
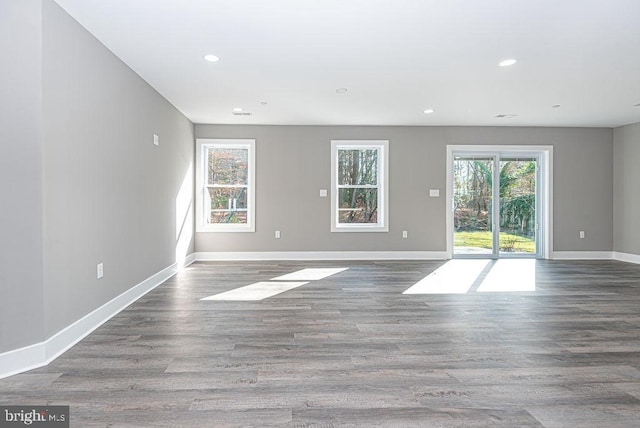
pixel 473 205
pixel 495 205
pixel 518 202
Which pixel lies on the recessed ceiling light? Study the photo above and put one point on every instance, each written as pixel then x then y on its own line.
pixel 504 116
pixel 237 109
pixel 211 58
pixel 507 62
pixel 429 111
pixel 341 90
pixel 555 106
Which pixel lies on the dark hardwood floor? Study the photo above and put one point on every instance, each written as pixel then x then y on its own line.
pixel 352 350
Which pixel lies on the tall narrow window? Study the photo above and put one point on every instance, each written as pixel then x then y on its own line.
pixel 226 185
pixel 360 186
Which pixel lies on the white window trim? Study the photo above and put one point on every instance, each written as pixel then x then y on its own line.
pixel 383 177
pixel 202 144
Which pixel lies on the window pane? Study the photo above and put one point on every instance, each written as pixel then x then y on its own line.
pixel 228 198
pixel 358 205
pixel 228 166
pixel 357 166
pixel 239 217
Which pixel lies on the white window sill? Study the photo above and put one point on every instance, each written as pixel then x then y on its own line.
pixel 224 229
pixel 351 228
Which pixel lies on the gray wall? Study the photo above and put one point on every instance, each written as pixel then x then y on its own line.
pixel 626 189
pixel 80 178
pixel 21 303
pixel 293 163
pixel 109 193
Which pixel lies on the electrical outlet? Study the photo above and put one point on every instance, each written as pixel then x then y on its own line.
pixel 277 234
pixel 405 234
pixel 582 234
pixel 323 193
pixel 100 270
pixel 156 140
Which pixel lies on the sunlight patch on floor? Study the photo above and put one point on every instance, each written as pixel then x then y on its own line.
pixel 510 275
pixel 459 276
pixel 257 291
pixel 265 289
pixel 453 277
pixel 311 274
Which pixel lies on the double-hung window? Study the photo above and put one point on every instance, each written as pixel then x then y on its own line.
pixel 225 200
pixel 359 178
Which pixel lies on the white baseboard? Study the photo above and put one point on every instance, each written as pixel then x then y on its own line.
pixel 596 255
pixel 321 255
pixel 626 257
pixel 22 359
pixel 188 260
pixel 582 255
pixel 41 354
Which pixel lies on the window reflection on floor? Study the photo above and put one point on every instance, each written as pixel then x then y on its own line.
pixel 257 291
pixel 460 276
pixel 454 277
pixel 311 274
pixel 275 286
pixel 510 275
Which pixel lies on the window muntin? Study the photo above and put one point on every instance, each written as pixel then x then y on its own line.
pixel 226 192
pixel 359 201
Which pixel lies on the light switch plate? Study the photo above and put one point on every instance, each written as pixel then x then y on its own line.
pixel 434 193
pixel 323 193
pixel 156 140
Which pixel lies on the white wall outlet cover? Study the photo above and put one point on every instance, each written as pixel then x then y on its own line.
pixel 100 270
pixel 156 140
pixel 434 193
pixel 323 193
pixel 404 233
pixel 277 234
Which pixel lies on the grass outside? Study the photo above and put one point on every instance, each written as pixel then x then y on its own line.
pixel 483 239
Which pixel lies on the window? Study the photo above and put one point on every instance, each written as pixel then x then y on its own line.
pixel 359 181
pixel 225 200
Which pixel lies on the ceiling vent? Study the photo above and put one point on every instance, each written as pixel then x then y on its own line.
pixel 504 116
pixel 242 113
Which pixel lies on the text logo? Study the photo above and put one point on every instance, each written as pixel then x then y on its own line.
pixel 34 416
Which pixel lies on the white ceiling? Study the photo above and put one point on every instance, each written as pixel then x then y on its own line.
pixel 395 57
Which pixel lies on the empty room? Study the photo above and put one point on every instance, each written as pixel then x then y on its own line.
pixel 328 213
